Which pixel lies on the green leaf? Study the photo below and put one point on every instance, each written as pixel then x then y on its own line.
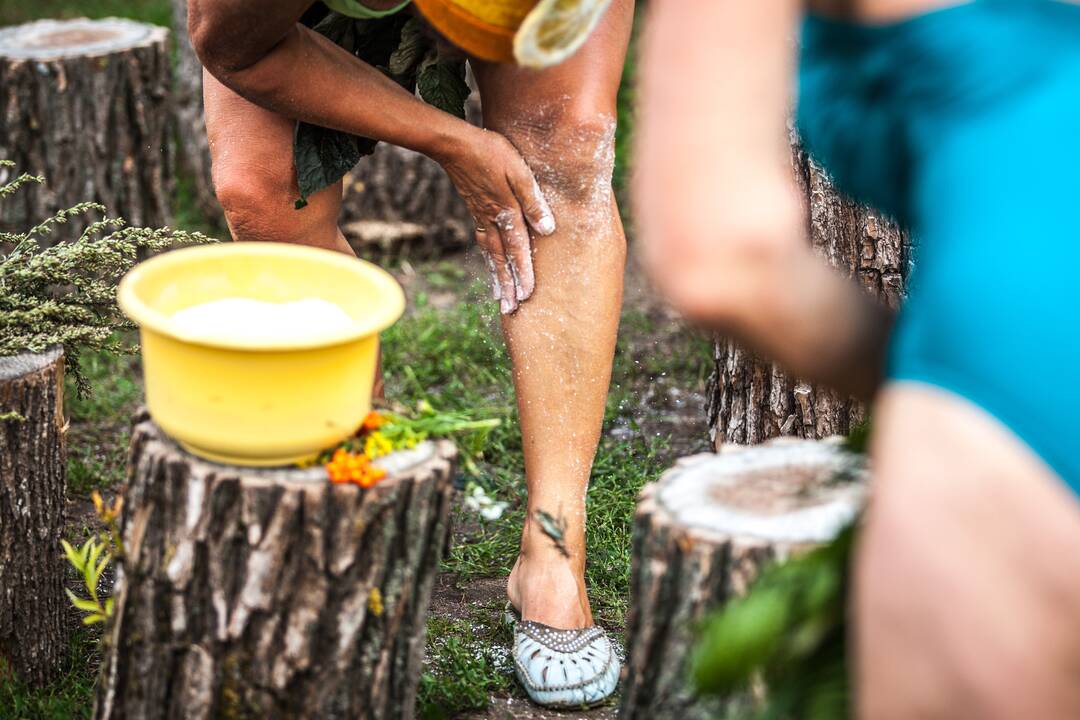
pixel 84 552
pixel 81 604
pixel 410 51
pixel 322 157
pixel 73 555
pixel 442 84
pixel 109 607
pixel 93 619
pixel 90 575
pixel 102 564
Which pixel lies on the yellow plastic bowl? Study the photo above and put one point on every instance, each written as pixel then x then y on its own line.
pixel 253 402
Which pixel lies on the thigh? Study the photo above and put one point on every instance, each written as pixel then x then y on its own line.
pixel 967 576
pixel 254 176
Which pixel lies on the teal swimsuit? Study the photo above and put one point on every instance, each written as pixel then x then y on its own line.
pixel 964 123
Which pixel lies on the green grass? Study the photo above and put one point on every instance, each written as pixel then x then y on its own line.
pixel 19 11
pixel 70 697
pixel 455 359
pixel 466 663
pixel 97 442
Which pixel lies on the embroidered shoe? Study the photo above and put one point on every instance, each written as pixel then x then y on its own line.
pixel 564 668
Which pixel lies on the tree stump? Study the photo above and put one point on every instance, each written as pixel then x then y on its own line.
pixel 271 593
pixel 701 534
pixel 86 104
pixel 193 148
pixel 395 187
pixel 33 631
pixel 750 400
pixel 398 203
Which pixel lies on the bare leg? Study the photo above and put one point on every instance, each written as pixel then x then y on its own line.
pixel 967 597
pixel 254 177
pixel 562 339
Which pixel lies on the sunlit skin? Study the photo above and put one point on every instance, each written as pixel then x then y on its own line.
pixel 554 125
pixel 966 588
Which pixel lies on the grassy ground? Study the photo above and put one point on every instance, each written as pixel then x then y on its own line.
pixel 448 351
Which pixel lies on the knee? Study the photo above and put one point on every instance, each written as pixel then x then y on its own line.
pixel 258 204
pixel 571 150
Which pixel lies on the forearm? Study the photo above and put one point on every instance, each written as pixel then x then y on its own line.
pixel 817 323
pixel 295 76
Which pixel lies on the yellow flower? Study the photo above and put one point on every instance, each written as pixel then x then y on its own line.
pixel 377 445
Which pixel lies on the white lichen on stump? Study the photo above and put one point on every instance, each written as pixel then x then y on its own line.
pixel 33 631
pixel 86 104
pixel 272 593
pixel 702 532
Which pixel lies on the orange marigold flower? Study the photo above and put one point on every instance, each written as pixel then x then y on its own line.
pixel 373 421
pixel 347 467
pixel 372 476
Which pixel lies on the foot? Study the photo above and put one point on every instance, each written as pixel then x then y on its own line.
pixel 546 587
pixel 561 659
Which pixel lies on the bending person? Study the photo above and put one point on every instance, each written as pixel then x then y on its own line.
pixel 961 121
pixel 538 182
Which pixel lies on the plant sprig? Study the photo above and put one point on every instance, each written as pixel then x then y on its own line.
pixel 90 560
pixel 66 294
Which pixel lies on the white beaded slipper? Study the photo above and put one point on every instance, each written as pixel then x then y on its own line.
pixel 563 668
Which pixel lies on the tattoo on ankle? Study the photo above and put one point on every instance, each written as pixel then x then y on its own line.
pixel 554 528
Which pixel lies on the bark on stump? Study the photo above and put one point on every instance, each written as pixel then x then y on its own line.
pixel 193 150
pixel 400 203
pixel 701 534
pixel 750 400
pixel 33 631
pixel 86 104
pixel 272 593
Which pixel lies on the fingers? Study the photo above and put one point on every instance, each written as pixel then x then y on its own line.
pixel 507 291
pixel 533 203
pixel 504 288
pixel 496 292
pixel 518 249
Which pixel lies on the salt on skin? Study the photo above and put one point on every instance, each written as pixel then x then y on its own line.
pixel 244 319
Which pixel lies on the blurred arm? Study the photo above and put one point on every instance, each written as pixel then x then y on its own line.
pixel 723 229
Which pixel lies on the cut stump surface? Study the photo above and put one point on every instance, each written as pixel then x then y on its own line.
pixel 702 533
pixel 272 593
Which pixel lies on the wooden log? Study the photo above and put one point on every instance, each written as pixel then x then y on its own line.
pixel 33 632
pixel 701 534
pixel 193 148
pixel 751 400
pixel 86 104
pixel 271 593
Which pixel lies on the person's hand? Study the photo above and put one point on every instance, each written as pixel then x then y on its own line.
pixel 505 201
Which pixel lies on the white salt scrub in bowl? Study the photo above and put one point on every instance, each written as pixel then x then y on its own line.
pixel 232 319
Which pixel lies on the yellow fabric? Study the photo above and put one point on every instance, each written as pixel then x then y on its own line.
pixel 501 13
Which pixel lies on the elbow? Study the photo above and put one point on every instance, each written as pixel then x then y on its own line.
pixel 212 31
pixel 204 34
